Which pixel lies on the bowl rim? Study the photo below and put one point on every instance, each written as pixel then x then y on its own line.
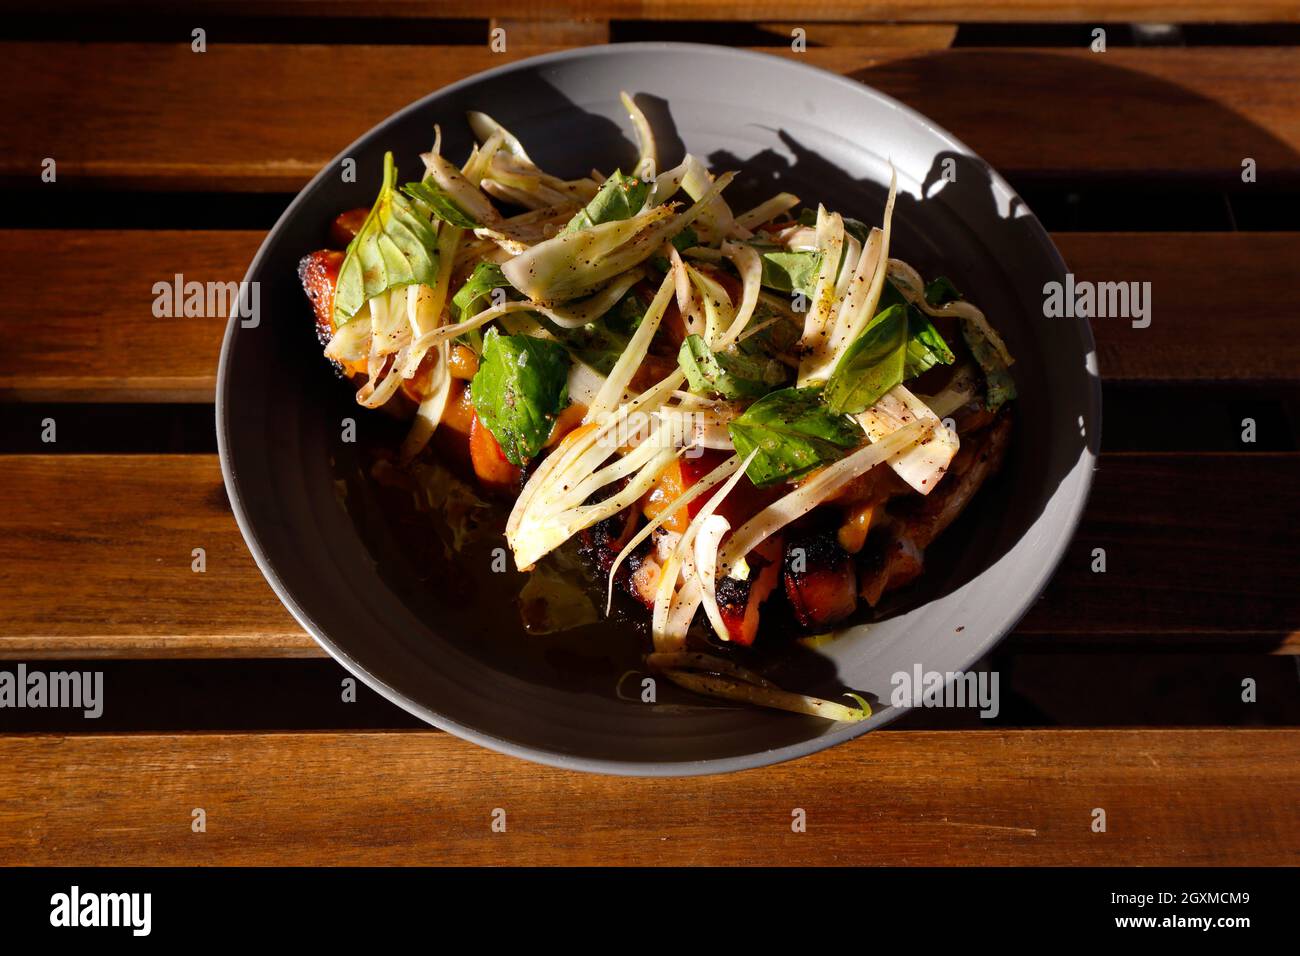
pixel 559 759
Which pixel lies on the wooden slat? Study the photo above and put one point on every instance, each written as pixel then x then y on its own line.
pixel 253 117
pixel 102 342
pixel 975 797
pixel 109 347
pixel 1196 546
pixel 985 11
pixel 1191 305
pixel 96 562
pixel 102 561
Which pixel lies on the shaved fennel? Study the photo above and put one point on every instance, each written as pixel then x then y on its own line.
pixel 817 489
pixel 575 263
pixel 621 325
pixel 673 610
pixel 645 167
pixel 924 463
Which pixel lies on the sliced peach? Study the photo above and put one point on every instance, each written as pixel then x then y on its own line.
pixel 852 534
pixel 569 419
pixel 490 463
pixel 463 362
pixel 458 416
pixel 739 506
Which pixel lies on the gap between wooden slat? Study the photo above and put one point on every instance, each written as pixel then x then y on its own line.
pixel 109 347
pixel 251 117
pixel 1080 688
pixel 543 33
pixel 97 561
pixel 969 797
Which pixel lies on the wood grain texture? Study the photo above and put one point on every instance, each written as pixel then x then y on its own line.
pixel 250 117
pixel 916 36
pixel 1196 546
pixel 87 307
pixel 98 557
pixel 1031 11
pixel 922 798
pixel 551 33
pixel 109 347
pixel 97 561
pixel 1191 305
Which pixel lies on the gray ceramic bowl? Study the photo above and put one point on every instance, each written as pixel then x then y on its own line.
pixel 446 645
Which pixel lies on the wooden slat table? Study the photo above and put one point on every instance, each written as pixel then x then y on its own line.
pixel 160 116
pixel 95 548
pixel 109 349
pixel 428 798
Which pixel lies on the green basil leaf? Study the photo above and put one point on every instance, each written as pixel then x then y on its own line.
pixel 685 239
pixel 794 433
pixel 468 300
pixel 926 348
pixel 600 343
pixel 791 271
pixel 1000 387
pixel 625 318
pixel 522 383
pixel 619 197
pixel 438 204
pixel 486 277
pixel 871 365
pixel 940 291
pixel 727 374
pixel 681 242
pixel 595 344
pixel 394 247
pixel 774 337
